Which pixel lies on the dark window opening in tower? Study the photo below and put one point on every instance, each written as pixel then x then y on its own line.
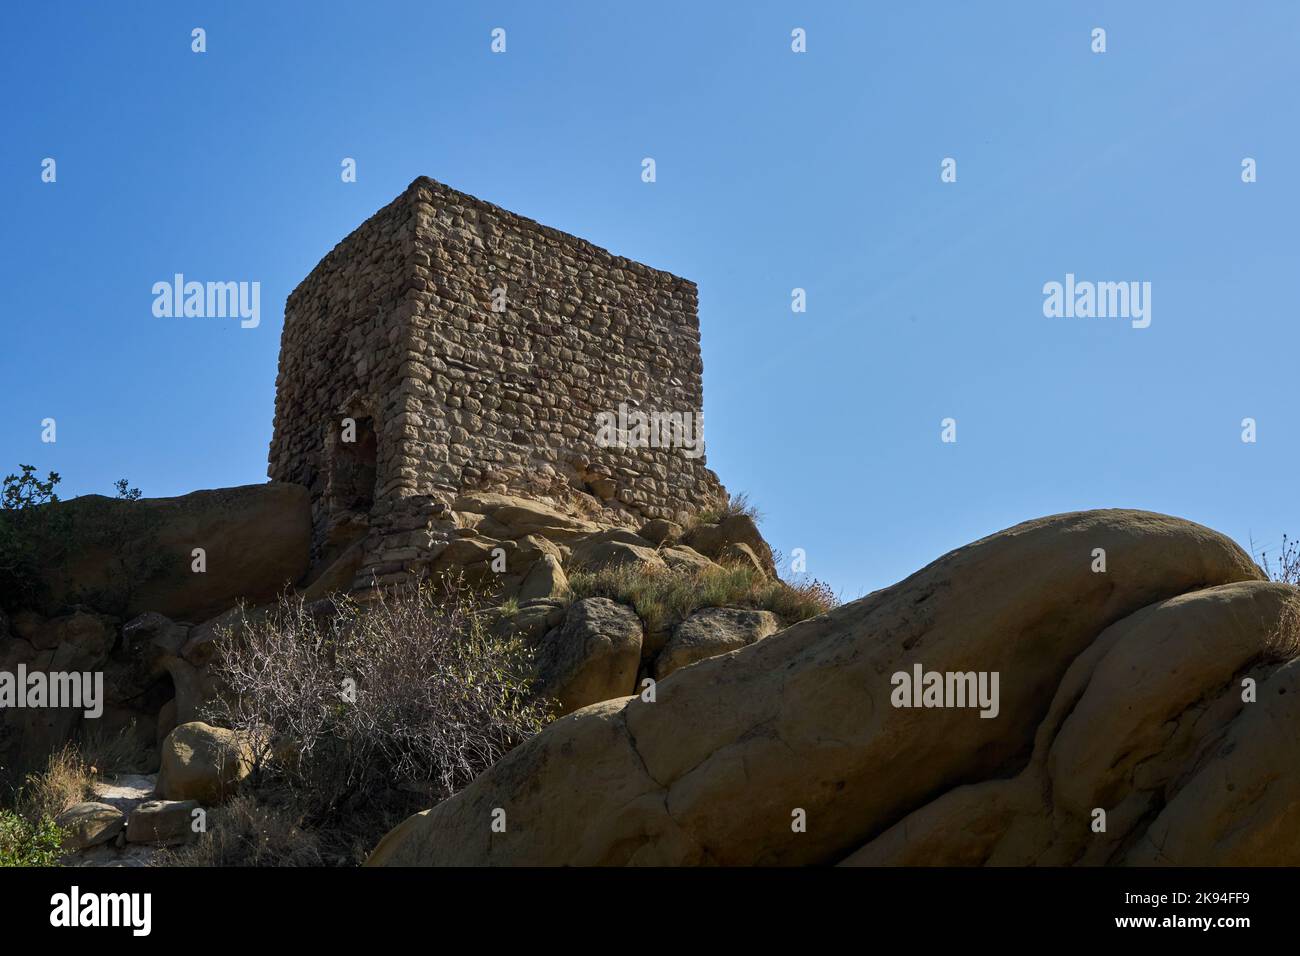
pixel 354 469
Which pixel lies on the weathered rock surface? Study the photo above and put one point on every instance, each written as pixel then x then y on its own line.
pixel 712 540
pixel 661 531
pixel 126 792
pixel 508 516
pixel 139 554
pixel 685 559
pixel 162 822
pixel 592 656
pixel 713 631
pixel 90 824
pixel 1143 660
pixel 616 548
pixel 201 762
pixel 545 582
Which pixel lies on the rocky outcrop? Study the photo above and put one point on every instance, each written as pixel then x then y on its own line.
pixel 592 656
pixel 1148 727
pixel 713 631
pixel 1119 690
pixel 89 824
pixel 201 762
pixel 155 564
pixel 72 643
pixel 128 557
pixel 162 822
pixel 733 536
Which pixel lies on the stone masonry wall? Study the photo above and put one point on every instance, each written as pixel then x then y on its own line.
pixel 339 357
pixel 397 326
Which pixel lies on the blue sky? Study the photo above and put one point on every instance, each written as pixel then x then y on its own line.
pixel 775 170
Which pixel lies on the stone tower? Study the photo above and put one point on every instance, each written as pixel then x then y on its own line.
pixel 449 346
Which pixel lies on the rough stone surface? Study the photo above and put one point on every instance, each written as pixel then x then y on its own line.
pixel 396 329
pixel 1148 725
pixel 72 643
pixel 90 824
pixel 201 762
pixel 661 531
pixel 256 540
pixel 592 656
pixel 614 550
pixel 683 558
pixel 165 822
pixel 137 663
pixel 711 632
pixel 545 582
pixel 125 792
pixel 711 771
pixel 712 540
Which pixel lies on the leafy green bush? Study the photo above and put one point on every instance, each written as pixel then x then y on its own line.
pixel 26 527
pixel 24 843
pixel 38 532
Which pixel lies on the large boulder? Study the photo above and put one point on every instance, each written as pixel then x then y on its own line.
pixel 592 656
pixel 507 516
pixel 1148 726
pixel 137 663
pixel 805 724
pixel 89 824
pixel 162 822
pixel 77 643
pixel 546 581
pixel 80 641
pixel 711 632
pixel 661 532
pixel 616 548
pixel 713 540
pixel 201 762
pixel 128 557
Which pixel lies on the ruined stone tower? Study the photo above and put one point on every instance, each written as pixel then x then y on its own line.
pixel 448 346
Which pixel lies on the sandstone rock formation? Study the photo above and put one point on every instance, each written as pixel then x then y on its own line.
pixel 201 762
pixel 162 822
pixel 89 824
pixel 592 656
pixel 1121 691
pixel 711 632
pixel 138 555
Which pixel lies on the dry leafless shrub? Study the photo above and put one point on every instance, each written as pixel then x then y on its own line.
pixel 1287 567
pixel 64 781
pixel 245 832
pixel 362 710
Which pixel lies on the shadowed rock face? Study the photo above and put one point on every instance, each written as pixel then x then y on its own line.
pixel 137 556
pixel 1119 690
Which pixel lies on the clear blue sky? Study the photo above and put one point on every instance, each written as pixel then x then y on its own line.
pixel 775 170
